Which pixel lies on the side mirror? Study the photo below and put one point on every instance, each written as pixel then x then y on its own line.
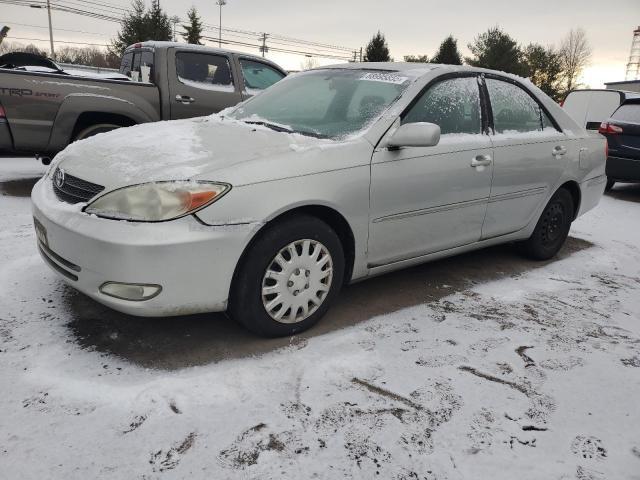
pixel 421 134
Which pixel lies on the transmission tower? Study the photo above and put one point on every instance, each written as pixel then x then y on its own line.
pixel 633 67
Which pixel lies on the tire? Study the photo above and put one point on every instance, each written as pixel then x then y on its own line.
pixel 258 285
pixel 610 184
pixel 552 228
pixel 94 130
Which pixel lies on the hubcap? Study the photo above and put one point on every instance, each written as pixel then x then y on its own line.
pixel 297 281
pixel 552 223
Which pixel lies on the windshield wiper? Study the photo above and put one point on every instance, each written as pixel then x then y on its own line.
pixel 272 126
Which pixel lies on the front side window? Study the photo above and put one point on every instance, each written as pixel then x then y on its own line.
pixel 258 76
pixel 453 105
pixel 329 103
pixel 513 109
pixel 201 70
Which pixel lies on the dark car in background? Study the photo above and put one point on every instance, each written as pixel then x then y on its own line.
pixel 623 136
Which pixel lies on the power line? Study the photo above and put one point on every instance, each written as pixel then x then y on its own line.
pixel 55 28
pixel 60 41
pixel 245 38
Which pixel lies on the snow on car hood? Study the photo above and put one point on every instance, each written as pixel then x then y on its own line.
pixel 212 148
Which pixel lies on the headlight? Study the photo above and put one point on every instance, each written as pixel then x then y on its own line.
pixel 157 201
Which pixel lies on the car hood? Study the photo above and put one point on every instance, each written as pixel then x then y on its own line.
pixel 207 148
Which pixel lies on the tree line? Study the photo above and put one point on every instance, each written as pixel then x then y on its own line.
pixel 555 70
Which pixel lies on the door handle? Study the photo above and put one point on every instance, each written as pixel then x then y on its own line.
pixel 481 161
pixel 559 150
pixel 185 99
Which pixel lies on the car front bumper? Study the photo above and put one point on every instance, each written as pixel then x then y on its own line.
pixel 623 169
pixel 192 262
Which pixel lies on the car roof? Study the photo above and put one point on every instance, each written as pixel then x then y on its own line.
pixel 416 70
pixel 202 48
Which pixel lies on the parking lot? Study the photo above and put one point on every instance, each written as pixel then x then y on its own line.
pixel 455 369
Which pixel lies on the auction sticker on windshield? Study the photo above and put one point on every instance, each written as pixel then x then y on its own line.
pixel 384 77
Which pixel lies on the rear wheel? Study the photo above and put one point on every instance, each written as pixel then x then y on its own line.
pixel 288 279
pixel 552 229
pixel 94 130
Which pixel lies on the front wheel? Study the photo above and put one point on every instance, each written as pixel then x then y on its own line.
pixel 288 279
pixel 552 229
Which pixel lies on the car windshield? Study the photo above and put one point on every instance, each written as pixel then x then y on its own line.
pixel 329 103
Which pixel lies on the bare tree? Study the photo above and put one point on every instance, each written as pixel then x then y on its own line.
pixel 309 63
pixel 575 55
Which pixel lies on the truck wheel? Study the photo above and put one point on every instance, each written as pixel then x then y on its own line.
pixel 289 278
pixel 94 130
pixel 552 228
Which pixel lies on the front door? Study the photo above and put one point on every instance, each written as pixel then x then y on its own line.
pixel 428 199
pixel 201 84
pixel 530 154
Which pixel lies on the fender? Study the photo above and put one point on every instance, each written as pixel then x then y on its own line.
pixel 76 104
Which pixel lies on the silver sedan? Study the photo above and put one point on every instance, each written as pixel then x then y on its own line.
pixel 331 176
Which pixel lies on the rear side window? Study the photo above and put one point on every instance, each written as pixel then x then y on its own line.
pixel 629 113
pixel 125 64
pixel 206 71
pixel 452 104
pixel 258 76
pixel 513 109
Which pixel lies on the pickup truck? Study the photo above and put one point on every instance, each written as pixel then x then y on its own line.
pixel 44 108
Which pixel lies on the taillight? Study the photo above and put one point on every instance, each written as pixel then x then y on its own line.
pixel 608 128
pixel 3 114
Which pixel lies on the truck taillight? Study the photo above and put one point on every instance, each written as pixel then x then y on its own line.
pixel 608 128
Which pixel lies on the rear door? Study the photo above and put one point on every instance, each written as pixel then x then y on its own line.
pixel 530 154
pixel 201 83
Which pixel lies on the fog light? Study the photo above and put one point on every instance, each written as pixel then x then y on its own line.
pixel 134 292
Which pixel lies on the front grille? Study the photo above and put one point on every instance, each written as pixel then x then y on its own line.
pixel 72 189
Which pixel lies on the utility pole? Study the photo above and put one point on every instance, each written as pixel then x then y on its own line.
pixel 53 53
pixel 221 3
pixel 48 7
pixel 175 20
pixel 264 49
pixel 360 54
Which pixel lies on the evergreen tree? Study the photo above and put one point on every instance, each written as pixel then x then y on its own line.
pixel 496 50
pixel 416 58
pixel 193 31
pixel 140 25
pixel 158 23
pixel 544 69
pixel 132 28
pixel 377 49
pixel 448 53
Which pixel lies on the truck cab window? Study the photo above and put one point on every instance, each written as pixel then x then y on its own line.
pixel 205 71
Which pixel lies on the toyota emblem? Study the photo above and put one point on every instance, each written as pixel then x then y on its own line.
pixel 59 178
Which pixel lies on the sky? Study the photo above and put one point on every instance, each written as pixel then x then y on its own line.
pixel 412 27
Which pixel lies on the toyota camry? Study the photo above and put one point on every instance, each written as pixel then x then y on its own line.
pixel 330 176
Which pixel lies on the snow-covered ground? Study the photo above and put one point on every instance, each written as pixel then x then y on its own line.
pixel 532 375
